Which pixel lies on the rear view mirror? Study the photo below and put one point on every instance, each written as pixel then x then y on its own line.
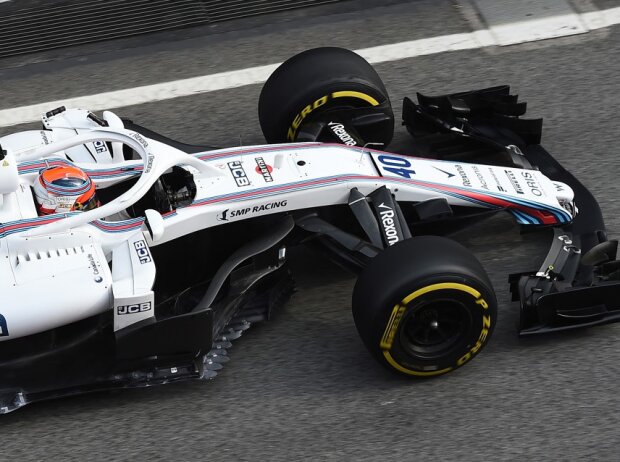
pixel 155 224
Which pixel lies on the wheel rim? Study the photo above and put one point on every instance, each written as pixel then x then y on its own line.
pixel 430 330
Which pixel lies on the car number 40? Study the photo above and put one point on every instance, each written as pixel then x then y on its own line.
pixel 396 165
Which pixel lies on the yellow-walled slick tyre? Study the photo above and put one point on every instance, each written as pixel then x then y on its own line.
pixel 325 81
pixel 424 306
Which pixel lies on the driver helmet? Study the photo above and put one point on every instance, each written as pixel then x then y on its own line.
pixel 64 189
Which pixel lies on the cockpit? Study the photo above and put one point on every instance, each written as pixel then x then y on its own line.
pixel 80 164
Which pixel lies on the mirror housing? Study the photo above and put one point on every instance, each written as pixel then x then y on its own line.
pixel 9 177
pixel 154 224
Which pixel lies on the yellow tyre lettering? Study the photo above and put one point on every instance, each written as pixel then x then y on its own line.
pixel 486 322
pixel 486 325
pixel 441 286
pixel 398 312
pixel 463 359
pixel 297 121
pixel 299 118
pixel 356 94
pixel 388 357
pixel 307 110
pixel 320 102
pixel 290 135
pixel 392 327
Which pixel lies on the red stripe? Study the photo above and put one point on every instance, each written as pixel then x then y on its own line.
pixel 103 225
pixel 26 224
pixel 254 150
pixel 43 165
pixel 283 188
pixel 546 218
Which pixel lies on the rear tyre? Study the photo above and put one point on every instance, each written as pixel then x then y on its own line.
pixel 321 82
pixel 424 306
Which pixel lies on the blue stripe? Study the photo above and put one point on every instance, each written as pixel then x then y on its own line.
pixel 523 218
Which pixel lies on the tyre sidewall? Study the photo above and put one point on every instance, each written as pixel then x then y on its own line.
pixel 453 275
pixel 303 87
pixel 318 100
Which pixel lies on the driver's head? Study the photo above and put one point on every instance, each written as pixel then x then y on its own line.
pixel 64 189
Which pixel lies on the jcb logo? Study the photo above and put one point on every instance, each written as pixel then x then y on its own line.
pixel 4 330
pixel 238 173
pixel 142 251
pixel 100 147
pixel 133 309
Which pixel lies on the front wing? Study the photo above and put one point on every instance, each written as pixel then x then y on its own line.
pixel 578 283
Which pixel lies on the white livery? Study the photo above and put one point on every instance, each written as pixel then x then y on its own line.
pixel 61 268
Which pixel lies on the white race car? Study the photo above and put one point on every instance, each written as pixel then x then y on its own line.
pixel 129 259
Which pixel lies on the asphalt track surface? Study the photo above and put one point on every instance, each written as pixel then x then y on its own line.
pixel 302 387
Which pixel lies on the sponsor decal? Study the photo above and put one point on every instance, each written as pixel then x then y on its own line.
pixel 532 184
pixel 222 216
pixel 149 163
pixel 396 165
pixel 133 308
pixel 450 175
pixel 463 175
pixel 142 251
pixel 238 173
pixel 140 139
pixel 497 183
pixel 100 146
pixel 388 223
pixel 264 169
pixel 292 131
pixel 247 211
pixel 93 266
pixel 44 137
pixel 4 329
pixel 513 180
pixel 483 182
pixel 341 133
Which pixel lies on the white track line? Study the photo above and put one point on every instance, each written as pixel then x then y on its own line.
pixel 254 75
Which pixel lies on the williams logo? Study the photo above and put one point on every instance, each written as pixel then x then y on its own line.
pixel 450 175
pixel 4 330
pixel 133 309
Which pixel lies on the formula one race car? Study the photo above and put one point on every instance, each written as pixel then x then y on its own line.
pixel 129 259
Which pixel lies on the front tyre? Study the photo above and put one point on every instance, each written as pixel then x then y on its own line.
pixel 321 84
pixel 424 307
